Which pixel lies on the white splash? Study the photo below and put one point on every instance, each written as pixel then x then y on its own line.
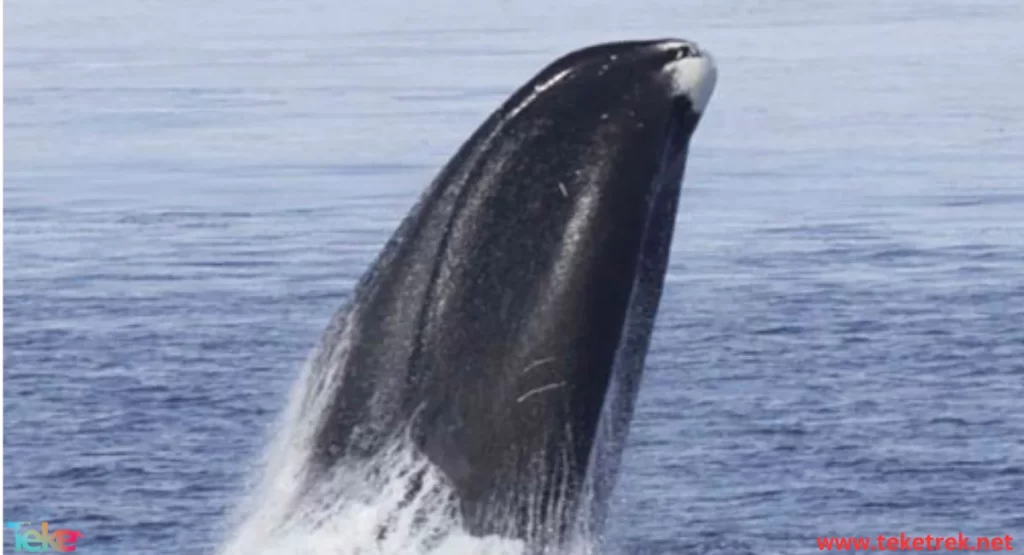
pixel 396 504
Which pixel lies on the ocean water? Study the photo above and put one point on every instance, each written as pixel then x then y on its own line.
pixel 192 188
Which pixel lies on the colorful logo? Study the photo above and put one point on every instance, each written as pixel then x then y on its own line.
pixel 37 541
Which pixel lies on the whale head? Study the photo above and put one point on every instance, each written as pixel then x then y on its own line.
pixel 505 324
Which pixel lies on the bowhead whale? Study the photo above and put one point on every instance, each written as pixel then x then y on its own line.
pixel 503 328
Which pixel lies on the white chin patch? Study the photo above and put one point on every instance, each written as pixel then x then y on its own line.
pixel 694 78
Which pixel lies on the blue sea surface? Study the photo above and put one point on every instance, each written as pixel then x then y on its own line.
pixel 192 188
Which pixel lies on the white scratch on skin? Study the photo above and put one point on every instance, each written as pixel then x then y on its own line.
pixel 561 187
pixel 539 88
pixel 541 389
pixel 537 363
pixel 550 82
